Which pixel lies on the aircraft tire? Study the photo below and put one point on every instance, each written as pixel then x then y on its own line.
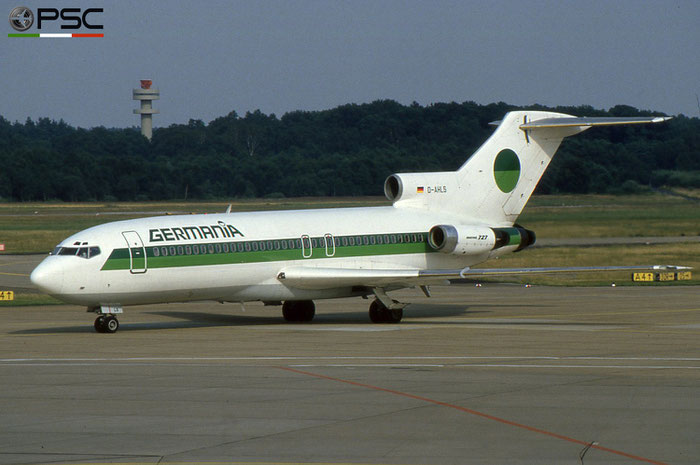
pixel 111 324
pixel 394 315
pixel 100 324
pixel 298 311
pixel 378 313
pixel 307 310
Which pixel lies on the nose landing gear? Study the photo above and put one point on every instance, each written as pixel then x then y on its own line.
pixel 106 324
pixel 106 321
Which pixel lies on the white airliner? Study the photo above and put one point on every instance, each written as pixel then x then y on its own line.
pixel 439 226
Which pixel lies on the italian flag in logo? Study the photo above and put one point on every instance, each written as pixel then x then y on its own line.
pixel 419 189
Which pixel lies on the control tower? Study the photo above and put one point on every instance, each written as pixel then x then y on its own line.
pixel 146 95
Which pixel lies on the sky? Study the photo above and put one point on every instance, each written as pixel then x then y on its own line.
pixel 209 58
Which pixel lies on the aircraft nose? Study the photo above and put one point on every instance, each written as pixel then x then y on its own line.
pixel 48 277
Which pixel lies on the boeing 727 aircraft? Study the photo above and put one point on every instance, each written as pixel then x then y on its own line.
pixel 440 225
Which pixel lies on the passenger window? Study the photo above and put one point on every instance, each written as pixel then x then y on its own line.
pixel 203 249
pixel 188 249
pixel 173 251
pixel 224 248
pixel 217 248
pixel 156 251
pixel 210 247
pixel 180 250
pixel 344 241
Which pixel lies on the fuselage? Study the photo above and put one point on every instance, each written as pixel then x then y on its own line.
pixel 237 256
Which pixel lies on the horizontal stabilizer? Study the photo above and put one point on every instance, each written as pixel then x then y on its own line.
pixel 589 122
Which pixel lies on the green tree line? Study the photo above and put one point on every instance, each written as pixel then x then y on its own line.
pixel 344 151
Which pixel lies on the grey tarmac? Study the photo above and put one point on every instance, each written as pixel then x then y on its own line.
pixel 474 375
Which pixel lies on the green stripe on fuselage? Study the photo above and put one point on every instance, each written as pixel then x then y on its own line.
pixel 119 258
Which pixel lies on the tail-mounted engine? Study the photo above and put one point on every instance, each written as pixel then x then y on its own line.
pixel 471 240
pixel 421 189
pixel 514 239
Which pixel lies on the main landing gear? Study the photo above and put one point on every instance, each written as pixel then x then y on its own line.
pixel 299 311
pixel 379 313
pixel 303 311
pixel 106 324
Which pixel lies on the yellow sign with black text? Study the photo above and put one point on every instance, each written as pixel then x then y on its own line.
pixel 643 277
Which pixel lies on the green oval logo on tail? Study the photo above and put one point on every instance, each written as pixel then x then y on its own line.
pixel 506 170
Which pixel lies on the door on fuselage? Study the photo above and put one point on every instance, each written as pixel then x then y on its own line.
pixel 137 252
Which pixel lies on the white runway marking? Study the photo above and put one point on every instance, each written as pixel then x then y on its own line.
pixel 502 361
pixel 322 357
pixel 496 365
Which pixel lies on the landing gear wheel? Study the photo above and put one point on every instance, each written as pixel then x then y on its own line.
pixel 100 323
pixel 394 315
pixel 111 324
pixel 378 313
pixel 299 311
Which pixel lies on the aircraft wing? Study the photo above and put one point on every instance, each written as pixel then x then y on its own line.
pixel 324 278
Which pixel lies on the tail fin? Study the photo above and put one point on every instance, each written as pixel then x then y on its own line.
pixel 502 174
pixel 495 183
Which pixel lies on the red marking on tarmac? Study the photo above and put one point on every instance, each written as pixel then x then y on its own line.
pixel 479 414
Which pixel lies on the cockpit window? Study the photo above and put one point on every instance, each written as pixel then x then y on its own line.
pixel 82 252
pixel 67 251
